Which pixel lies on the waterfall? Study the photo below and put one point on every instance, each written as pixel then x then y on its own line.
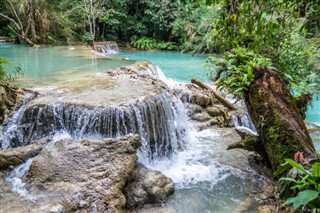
pixel 15 178
pixel 8 137
pixel 107 48
pixel 243 121
pixel 155 119
pixel 154 71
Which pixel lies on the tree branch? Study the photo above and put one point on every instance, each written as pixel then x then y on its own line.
pixel 15 14
pixel 10 19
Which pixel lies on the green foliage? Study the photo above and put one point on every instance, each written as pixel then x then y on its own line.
pixel 149 43
pixel 307 183
pixel 294 63
pixel 303 198
pixel 273 29
pixel 235 69
pixel 192 27
pixel 4 76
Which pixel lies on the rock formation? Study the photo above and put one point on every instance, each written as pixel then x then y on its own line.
pixel 147 186
pixel 203 107
pixel 93 171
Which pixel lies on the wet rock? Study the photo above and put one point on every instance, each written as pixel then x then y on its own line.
pixel 12 157
pixel 217 110
pixel 147 186
pixel 201 117
pixel 203 107
pixel 11 98
pixel 85 175
pixel 8 99
pixel 266 209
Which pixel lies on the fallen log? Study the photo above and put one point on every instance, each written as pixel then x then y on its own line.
pixel 224 101
pixel 274 111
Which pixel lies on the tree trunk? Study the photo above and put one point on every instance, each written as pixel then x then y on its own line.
pixel 31 20
pixel 281 128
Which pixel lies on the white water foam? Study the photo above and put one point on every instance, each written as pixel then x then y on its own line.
pixel 244 122
pixel 198 162
pixel 15 179
pixel 12 126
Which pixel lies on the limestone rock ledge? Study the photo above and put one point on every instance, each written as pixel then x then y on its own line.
pixel 85 176
pixel 13 157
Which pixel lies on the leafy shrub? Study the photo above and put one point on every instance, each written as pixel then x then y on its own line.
pixel 307 183
pixel 145 43
pixel 293 63
pixel 235 69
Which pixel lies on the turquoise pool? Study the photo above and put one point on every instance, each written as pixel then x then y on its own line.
pixel 175 65
pixel 48 65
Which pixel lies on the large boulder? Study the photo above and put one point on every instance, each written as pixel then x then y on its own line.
pixel 147 186
pixel 85 175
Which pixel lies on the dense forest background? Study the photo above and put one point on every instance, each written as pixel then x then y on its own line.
pixel 211 26
pixel 184 23
pixel 282 34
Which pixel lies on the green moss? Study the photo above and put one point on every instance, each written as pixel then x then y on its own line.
pixel 279 139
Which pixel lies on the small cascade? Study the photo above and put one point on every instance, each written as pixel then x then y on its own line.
pixel 155 119
pixel 154 71
pixel 8 135
pixel 107 48
pixel 243 121
pixel 15 178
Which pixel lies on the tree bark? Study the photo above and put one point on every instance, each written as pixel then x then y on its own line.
pixel 281 128
pixel 31 20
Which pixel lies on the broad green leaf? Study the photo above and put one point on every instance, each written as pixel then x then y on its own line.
pixel 316 169
pixel 297 165
pixel 303 198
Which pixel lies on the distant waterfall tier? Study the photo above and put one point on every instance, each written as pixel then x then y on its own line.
pixel 106 48
pixel 139 68
pixel 112 106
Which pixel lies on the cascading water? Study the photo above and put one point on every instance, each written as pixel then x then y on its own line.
pixel 15 178
pixel 153 119
pixel 7 133
pixel 202 170
pixel 108 49
pixel 243 121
